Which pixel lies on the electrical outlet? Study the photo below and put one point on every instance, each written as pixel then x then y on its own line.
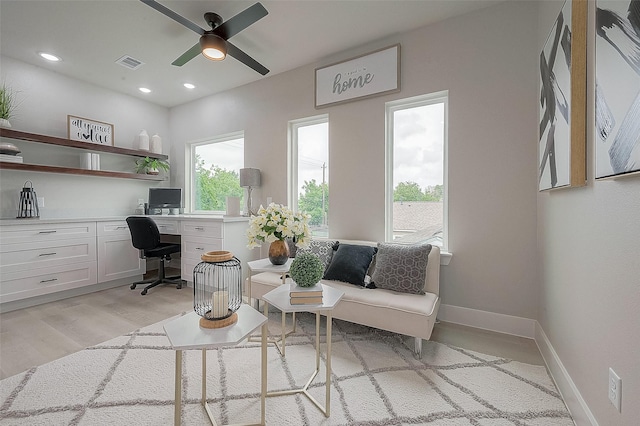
pixel 615 389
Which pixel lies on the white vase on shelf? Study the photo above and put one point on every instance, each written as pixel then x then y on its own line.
pixel 156 144
pixel 5 123
pixel 143 141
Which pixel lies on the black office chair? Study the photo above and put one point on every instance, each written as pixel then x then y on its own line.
pixel 146 238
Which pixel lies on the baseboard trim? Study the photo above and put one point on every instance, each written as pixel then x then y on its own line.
pixel 507 324
pixel 573 399
pixel 529 328
pixel 65 294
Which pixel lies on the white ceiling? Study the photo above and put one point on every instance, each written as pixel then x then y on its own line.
pixel 90 35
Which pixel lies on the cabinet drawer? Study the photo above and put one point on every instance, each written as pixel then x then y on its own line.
pixel 115 228
pixel 25 256
pixel 167 226
pixel 205 228
pixel 193 248
pixel 35 282
pixel 46 232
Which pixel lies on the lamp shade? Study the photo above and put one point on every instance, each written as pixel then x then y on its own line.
pixel 250 177
pixel 213 47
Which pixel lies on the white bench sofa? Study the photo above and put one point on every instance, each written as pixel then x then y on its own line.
pixel 408 314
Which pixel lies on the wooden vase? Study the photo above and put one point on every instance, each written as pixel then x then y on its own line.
pixel 278 252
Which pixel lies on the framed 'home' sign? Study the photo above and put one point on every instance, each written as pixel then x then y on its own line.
pixel 373 74
pixel 91 131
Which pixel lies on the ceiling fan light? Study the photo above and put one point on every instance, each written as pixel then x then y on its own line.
pixel 213 47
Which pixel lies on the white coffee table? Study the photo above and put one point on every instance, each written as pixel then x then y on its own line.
pixel 185 333
pixel 279 298
pixel 265 265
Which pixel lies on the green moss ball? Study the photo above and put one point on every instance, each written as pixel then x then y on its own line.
pixel 306 269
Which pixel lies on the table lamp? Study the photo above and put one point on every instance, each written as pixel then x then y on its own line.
pixel 249 178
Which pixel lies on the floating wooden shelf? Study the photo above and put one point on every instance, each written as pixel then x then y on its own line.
pixel 4 165
pixel 52 140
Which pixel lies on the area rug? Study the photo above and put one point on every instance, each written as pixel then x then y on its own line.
pixel 376 380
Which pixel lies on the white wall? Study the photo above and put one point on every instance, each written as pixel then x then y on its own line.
pixel 44 100
pixel 488 62
pixel 589 244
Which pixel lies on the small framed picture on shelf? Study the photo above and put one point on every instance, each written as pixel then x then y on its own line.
pixel 91 131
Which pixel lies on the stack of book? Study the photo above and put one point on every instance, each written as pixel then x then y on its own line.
pixel 10 158
pixel 305 295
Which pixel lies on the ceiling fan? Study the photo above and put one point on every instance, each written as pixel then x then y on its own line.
pixel 214 43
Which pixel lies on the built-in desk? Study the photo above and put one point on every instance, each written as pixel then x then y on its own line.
pixel 203 233
pixel 50 259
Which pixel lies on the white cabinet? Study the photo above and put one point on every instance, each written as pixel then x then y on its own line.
pixel 201 236
pixel 37 259
pixel 117 258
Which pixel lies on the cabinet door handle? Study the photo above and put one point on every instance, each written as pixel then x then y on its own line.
pixel 199 228
pixel 47 232
pixel 47 254
pixel 121 227
pixel 200 248
pixel 48 281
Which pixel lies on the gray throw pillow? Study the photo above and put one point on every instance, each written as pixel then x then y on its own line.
pixel 321 248
pixel 402 268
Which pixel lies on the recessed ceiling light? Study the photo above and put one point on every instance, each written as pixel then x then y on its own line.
pixel 189 86
pixel 49 57
pixel 144 90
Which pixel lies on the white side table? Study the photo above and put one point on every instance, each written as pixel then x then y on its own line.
pixel 185 333
pixel 264 265
pixel 279 298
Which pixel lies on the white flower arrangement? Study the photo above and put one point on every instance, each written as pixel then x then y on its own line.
pixel 278 222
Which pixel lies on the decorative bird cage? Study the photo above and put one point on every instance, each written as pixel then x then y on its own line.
pixel 217 289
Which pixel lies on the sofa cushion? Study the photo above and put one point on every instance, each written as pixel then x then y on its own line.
pixel 401 267
pixel 349 263
pixel 321 248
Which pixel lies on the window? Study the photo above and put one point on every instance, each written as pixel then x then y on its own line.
pixel 416 155
pixel 213 172
pixel 309 171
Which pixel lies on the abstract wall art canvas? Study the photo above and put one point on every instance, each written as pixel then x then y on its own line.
pixel 617 138
pixel 562 113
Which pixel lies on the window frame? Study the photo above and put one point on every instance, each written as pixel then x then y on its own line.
pixel 407 103
pixel 292 154
pixel 189 169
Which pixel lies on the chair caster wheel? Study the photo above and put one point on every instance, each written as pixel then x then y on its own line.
pixel 144 292
pixel 133 287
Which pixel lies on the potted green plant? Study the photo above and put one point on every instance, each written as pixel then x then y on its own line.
pixel 7 105
pixel 306 269
pixel 151 166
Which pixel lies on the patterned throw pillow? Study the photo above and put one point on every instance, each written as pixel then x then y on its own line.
pixel 402 268
pixel 349 263
pixel 321 248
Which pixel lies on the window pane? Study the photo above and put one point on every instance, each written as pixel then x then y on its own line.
pixel 313 175
pixel 216 172
pixel 418 174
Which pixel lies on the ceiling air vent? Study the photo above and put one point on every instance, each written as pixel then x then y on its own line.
pixel 129 62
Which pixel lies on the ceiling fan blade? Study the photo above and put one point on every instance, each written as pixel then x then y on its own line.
pixel 173 15
pixel 188 55
pixel 245 59
pixel 242 20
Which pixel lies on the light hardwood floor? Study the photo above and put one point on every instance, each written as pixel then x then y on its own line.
pixel 39 334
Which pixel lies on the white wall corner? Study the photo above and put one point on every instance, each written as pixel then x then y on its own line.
pixel 570 394
pixel 507 324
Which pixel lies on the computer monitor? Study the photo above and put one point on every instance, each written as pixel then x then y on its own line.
pixel 165 198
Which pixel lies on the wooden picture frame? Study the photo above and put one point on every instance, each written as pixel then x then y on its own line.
pixel 372 74
pixel 563 68
pixel 90 131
